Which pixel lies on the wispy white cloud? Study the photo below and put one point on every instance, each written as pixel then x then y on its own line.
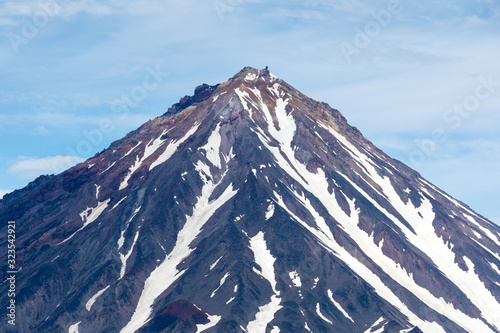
pixel 13 11
pixel 40 130
pixel 61 120
pixel 32 167
pixel 281 13
pixel 58 8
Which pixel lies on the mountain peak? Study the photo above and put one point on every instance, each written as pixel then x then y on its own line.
pixel 249 73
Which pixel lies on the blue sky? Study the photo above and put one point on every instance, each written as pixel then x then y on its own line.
pixel 421 79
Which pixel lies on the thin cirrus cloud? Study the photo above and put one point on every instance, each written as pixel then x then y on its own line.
pixel 32 167
pixel 11 12
pixel 57 8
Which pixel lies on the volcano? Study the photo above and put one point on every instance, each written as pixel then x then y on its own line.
pixel 247 207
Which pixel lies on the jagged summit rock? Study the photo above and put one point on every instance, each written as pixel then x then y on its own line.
pixel 249 207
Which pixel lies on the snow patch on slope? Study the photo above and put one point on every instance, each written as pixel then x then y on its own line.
pixel 124 257
pixel 92 300
pixel 270 211
pixel 215 263
pixel 251 77
pixel 220 284
pixel 375 324
pixel 213 320
pixel 212 147
pixel 338 306
pixel 88 216
pixel 318 312
pixel 97 187
pixel 294 276
pixel 265 260
pixel 74 328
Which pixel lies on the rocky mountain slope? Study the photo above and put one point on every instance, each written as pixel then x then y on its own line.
pixel 248 207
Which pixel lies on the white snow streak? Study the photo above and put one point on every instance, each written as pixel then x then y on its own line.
pixel 172 147
pixel 167 273
pixel 378 322
pixel 128 153
pixel 275 329
pixel 108 167
pixel 124 257
pixel 265 260
pixel 116 205
pixel 318 311
pixel 215 263
pixel 220 284
pixel 406 330
pixel 92 300
pixel 487 232
pixel 97 187
pixel 121 240
pixel 494 267
pixel 486 249
pixel 338 306
pixel 381 329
